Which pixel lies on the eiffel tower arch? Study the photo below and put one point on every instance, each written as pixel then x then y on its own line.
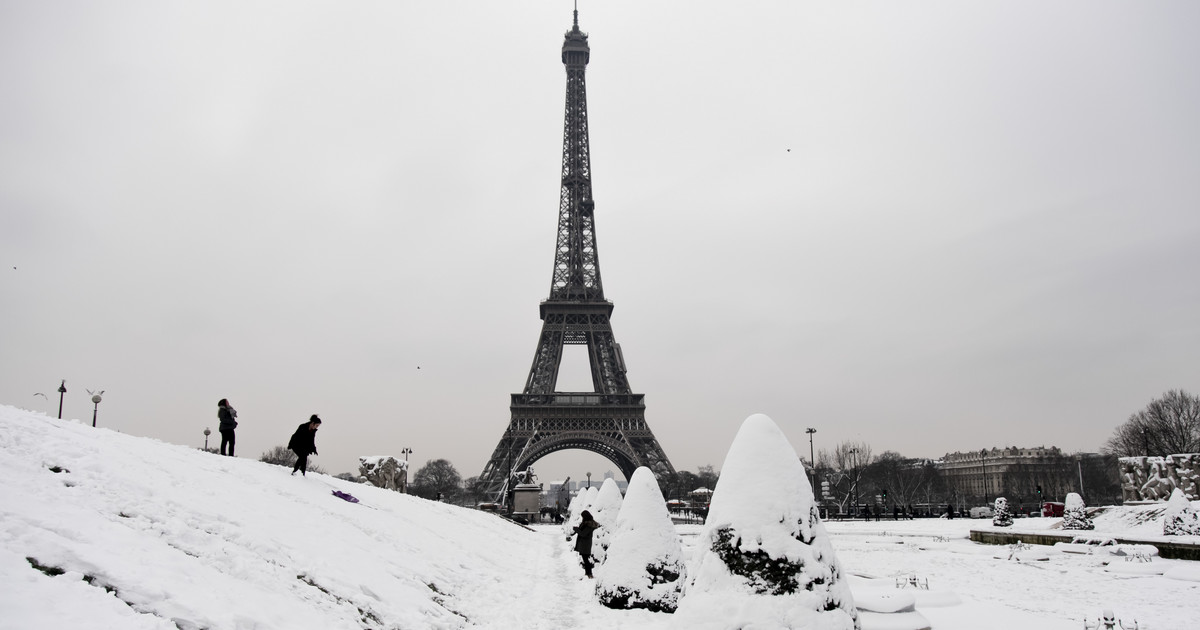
pixel 611 419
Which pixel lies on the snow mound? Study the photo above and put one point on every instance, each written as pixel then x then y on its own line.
pixel 1002 516
pixel 1186 573
pixel 764 559
pixel 644 565
pixel 583 501
pixel 605 508
pixel 1075 513
pixel 1180 519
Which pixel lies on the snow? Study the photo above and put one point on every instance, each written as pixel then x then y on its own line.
pixel 582 502
pixel 761 524
pixel 604 508
pixel 158 536
pixel 642 537
pixel 1180 519
pixel 1075 514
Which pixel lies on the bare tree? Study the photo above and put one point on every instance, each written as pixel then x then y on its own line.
pixel 849 460
pixel 905 479
pixel 437 479
pixel 281 456
pixel 1168 425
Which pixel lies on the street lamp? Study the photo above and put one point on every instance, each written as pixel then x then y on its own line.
pixel 96 400
pixel 405 451
pixel 62 389
pixel 983 463
pixel 589 476
pixel 854 453
pixel 1079 466
pixel 812 460
pixel 206 434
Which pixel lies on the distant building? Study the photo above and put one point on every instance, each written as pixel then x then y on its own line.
pixel 988 473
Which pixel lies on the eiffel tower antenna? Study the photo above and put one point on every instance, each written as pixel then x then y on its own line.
pixel 610 419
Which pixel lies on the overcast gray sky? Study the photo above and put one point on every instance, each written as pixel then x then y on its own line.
pixel 930 226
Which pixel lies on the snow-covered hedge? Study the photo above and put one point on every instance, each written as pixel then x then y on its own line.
pixel 1180 519
pixel 1075 513
pixel 605 508
pixel 1001 515
pixel 764 556
pixel 582 501
pixel 643 567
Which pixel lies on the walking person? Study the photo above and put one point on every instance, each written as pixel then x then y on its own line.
pixel 228 417
pixel 583 540
pixel 303 443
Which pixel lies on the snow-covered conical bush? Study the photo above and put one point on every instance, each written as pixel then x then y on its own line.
pixel 605 508
pixel 764 559
pixel 1180 519
pixel 1001 516
pixel 582 501
pixel 643 567
pixel 1075 513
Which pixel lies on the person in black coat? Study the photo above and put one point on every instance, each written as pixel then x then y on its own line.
pixel 228 417
pixel 583 540
pixel 304 443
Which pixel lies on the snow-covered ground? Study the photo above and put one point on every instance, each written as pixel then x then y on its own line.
pixel 153 535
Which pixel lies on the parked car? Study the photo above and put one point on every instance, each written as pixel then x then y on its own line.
pixel 981 512
pixel 1052 508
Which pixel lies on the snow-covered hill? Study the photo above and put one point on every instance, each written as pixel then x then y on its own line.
pixel 153 535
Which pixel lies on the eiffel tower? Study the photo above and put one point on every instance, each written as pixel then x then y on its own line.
pixel 610 420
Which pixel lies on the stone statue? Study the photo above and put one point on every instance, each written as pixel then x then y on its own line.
pixel 382 471
pixel 1154 478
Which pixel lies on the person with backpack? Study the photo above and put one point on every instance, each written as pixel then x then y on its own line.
pixel 228 417
pixel 303 443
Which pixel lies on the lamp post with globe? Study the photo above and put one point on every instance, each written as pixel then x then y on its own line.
pixel 96 400
pixel 206 434
pixel 854 454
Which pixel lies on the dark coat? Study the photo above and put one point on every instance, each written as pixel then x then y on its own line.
pixel 304 440
pixel 583 538
pixel 228 416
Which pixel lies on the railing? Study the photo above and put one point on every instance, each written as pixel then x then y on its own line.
pixel 577 399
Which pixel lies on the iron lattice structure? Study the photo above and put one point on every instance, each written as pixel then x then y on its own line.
pixel 611 419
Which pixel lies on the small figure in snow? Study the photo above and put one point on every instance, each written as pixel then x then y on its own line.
pixel 228 417
pixel 303 443
pixel 583 540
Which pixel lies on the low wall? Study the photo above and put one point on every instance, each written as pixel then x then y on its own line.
pixel 1180 551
